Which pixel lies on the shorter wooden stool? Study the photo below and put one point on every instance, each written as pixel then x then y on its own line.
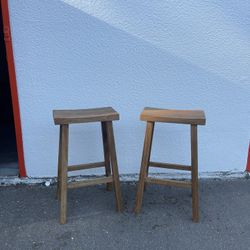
pixel 191 117
pixel 105 116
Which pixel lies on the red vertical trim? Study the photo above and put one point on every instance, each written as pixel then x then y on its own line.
pixel 13 86
pixel 248 160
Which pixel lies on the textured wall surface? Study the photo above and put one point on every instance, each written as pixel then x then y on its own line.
pixel 131 54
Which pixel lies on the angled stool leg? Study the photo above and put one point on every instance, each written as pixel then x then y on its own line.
pixel 144 165
pixel 145 184
pixel 111 142
pixel 106 153
pixel 194 164
pixel 64 172
pixel 59 165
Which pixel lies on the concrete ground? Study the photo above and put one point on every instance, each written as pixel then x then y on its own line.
pixel 29 218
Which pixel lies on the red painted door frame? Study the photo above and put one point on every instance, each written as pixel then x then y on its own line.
pixel 248 159
pixel 13 86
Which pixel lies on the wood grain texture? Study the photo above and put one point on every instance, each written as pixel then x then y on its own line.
pixel 144 165
pixel 194 173
pixel 59 168
pixel 169 166
pixel 64 172
pixel 84 115
pixel 196 117
pixel 105 116
pixel 191 117
pixel 91 182
pixel 147 171
pixel 106 153
pixel 86 166
pixel 183 184
pixel 112 151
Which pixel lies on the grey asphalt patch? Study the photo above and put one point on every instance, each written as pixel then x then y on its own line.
pixel 29 218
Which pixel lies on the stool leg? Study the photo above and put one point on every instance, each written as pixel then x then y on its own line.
pixel 106 153
pixel 111 142
pixel 64 173
pixel 144 164
pixel 194 163
pixel 59 165
pixel 145 184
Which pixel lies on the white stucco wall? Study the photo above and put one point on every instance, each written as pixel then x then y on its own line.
pixel 131 54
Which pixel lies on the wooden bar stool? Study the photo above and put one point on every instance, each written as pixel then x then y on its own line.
pixel 105 116
pixel 191 117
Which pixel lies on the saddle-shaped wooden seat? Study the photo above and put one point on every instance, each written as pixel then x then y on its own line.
pixel 85 115
pixel 174 116
pixel 191 117
pixel 105 116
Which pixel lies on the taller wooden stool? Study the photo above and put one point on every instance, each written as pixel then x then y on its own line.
pixel 105 116
pixel 191 117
